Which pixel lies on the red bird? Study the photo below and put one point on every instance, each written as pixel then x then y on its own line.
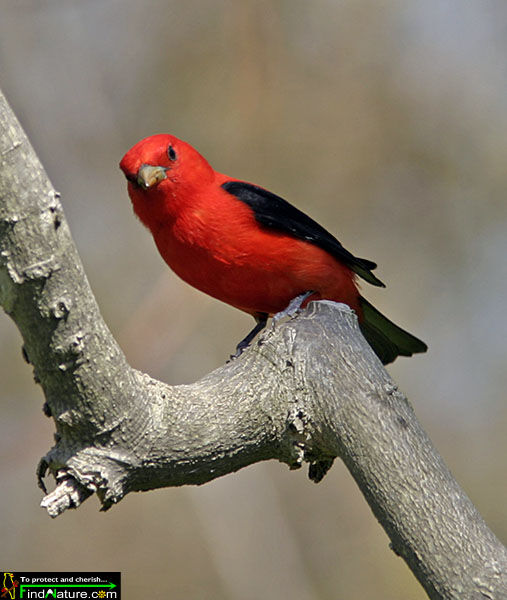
pixel 246 246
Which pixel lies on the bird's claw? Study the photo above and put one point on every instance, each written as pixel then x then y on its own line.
pixel 291 311
pixel 293 307
pixel 261 323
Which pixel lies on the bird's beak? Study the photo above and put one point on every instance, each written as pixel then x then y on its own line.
pixel 149 176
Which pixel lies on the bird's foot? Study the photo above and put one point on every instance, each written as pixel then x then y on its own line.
pixel 261 323
pixel 293 308
pixel 291 311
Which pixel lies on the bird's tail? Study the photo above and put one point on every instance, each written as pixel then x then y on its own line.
pixel 387 339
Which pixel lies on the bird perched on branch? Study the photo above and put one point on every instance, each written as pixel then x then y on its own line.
pixel 247 246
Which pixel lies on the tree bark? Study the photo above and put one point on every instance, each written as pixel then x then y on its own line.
pixel 310 390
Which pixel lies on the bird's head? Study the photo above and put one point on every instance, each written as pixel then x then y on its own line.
pixel 161 171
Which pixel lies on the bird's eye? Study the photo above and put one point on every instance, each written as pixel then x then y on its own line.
pixel 171 153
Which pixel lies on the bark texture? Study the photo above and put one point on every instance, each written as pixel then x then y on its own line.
pixel 309 390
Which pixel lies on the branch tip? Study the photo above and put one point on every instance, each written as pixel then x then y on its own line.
pixel 69 493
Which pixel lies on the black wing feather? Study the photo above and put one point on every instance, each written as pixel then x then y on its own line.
pixel 276 213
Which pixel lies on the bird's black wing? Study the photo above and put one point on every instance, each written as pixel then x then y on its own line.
pixel 277 214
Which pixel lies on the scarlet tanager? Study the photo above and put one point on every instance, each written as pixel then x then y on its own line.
pixel 246 246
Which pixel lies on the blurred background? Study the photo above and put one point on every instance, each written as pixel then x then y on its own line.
pixel 387 122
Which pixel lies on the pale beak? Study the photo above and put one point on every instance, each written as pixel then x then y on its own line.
pixel 148 176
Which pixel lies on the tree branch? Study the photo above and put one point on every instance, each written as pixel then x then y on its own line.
pixel 308 391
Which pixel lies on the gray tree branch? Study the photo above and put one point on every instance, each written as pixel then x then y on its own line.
pixel 308 391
